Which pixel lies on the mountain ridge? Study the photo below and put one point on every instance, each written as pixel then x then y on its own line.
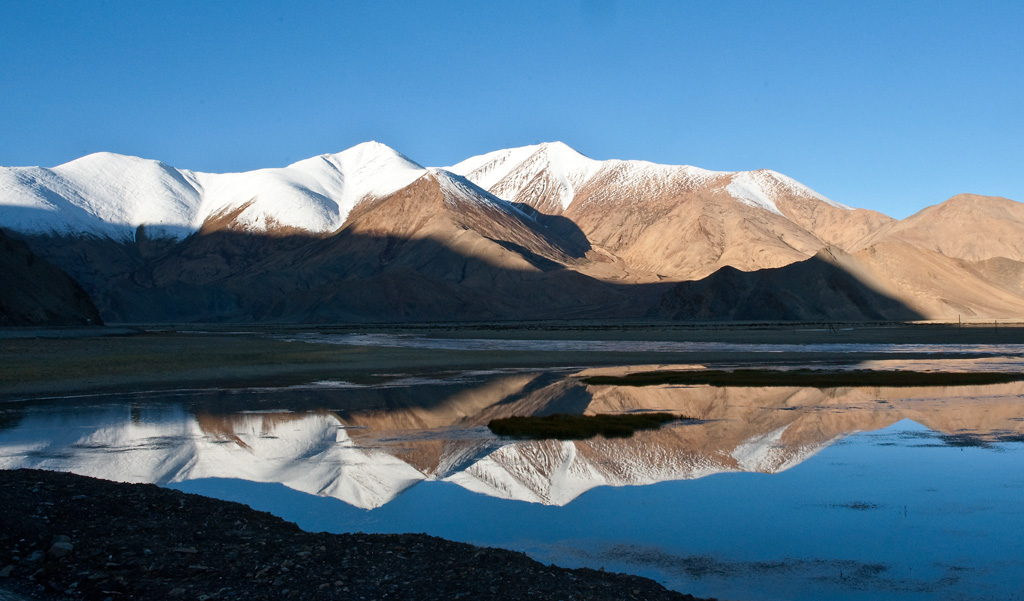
pixel 536 232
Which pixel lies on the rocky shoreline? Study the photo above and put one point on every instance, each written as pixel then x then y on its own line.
pixel 64 536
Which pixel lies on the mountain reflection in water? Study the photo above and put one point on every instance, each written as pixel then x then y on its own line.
pixel 366 445
pixel 922 503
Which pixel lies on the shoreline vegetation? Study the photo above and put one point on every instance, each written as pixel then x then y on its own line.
pixel 562 426
pixel 54 362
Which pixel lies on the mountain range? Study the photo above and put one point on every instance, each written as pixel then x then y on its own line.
pixel 532 233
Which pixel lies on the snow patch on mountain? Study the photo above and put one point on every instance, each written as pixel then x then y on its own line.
pixel 516 173
pixel 458 189
pixel 747 188
pixel 633 181
pixel 314 195
pixel 486 170
pixel 761 188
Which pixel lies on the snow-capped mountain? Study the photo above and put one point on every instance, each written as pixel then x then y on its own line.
pixel 678 221
pixel 537 232
pixel 547 177
pixel 544 176
pixel 111 195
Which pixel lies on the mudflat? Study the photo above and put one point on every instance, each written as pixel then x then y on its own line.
pixel 37 363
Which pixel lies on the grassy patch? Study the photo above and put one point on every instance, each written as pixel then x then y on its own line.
pixel 804 378
pixel 561 426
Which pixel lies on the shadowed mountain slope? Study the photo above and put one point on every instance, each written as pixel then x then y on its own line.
pixel 35 292
pixel 437 250
pixel 830 285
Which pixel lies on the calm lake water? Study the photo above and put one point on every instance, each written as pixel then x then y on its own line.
pixel 773 493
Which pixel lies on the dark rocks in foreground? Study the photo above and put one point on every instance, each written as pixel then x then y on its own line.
pixel 64 536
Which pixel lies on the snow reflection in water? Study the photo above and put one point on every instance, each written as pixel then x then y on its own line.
pixel 923 503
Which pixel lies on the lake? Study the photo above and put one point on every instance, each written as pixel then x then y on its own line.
pixel 768 493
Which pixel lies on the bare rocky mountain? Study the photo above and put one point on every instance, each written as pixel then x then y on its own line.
pixel 678 222
pixel 538 232
pixel 941 287
pixel 1006 273
pixel 967 226
pixel 957 259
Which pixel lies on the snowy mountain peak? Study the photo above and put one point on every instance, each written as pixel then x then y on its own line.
pixel 371 153
pixel 564 157
pixel 545 176
pixel 110 195
pixel 548 176
pixel 760 188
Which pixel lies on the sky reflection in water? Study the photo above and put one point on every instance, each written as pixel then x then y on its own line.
pixel 773 495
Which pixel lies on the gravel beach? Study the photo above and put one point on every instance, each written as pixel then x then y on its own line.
pixel 64 536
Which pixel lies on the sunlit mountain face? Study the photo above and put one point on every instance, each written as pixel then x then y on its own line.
pixel 366 445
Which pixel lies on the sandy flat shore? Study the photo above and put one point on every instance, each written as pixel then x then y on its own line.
pixel 55 362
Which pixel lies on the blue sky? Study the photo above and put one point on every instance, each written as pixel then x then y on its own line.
pixel 889 106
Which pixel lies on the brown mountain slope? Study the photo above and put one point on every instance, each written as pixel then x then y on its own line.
pixel 678 222
pixel 836 226
pixel 441 250
pixel 35 292
pixel 1005 273
pixel 683 227
pixel 967 226
pixel 937 286
pixel 830 285
pixel 884 282
pixel 438 250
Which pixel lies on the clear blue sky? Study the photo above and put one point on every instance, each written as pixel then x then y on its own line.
pixel 886 105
